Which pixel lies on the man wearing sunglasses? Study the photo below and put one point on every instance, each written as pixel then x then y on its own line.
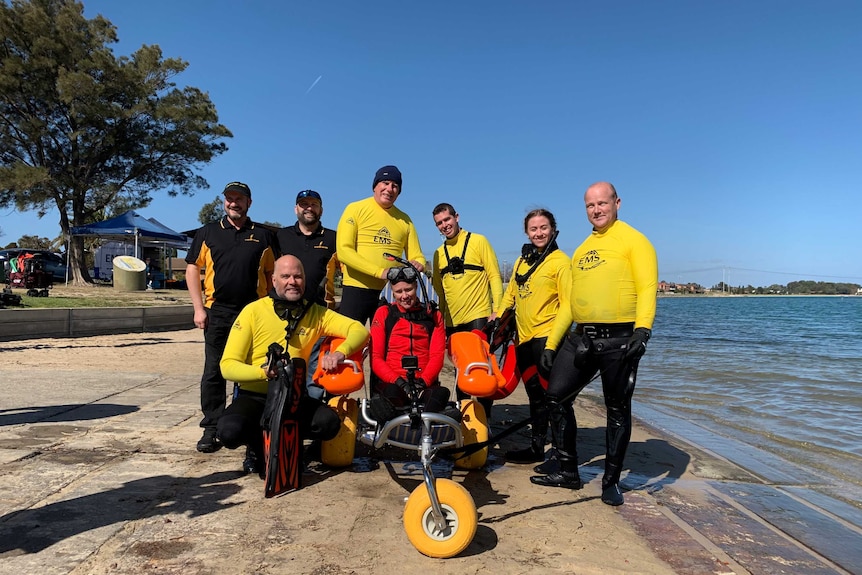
pixel 367 230
pixel 314 245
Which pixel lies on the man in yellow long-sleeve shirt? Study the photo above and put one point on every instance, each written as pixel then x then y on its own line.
pixel 466 278
pixel 368 229
pixel 466 274
pixel 262 323
pixel 613 303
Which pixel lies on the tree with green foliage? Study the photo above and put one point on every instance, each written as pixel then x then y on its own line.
pixel 35 243
pixel 212 212
pixel 821 288
pixel 87 132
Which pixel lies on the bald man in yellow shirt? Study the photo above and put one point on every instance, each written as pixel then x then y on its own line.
pixel 286 318
pixel 613 304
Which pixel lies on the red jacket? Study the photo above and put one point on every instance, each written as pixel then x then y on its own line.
pixel 407 338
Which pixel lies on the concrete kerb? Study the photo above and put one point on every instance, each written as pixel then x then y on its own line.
pixel 18 324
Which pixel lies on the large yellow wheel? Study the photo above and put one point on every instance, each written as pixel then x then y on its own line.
pixel 474 429
pixel 461 520
pixel 339 451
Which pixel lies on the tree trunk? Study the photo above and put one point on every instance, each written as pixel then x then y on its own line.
pixel 79 275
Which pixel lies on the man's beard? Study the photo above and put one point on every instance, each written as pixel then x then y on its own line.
pixel 290 296
pixel 308 219
pixel 234 215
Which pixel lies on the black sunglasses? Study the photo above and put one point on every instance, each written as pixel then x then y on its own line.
pixel 308 194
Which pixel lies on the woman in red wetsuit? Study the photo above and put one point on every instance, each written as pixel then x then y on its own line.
pixel 406 328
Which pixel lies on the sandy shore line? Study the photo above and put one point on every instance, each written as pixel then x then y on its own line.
pixel 100 475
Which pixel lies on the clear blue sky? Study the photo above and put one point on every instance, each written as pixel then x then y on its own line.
pixel 732 130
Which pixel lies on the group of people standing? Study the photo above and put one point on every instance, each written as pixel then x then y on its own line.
pixel 591 314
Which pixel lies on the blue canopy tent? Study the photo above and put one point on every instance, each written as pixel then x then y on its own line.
pixel 133 225
pixel 145 231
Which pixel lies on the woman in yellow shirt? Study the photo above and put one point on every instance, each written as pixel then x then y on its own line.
pixel 540 278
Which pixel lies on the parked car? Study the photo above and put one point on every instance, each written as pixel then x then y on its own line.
pixel 51 262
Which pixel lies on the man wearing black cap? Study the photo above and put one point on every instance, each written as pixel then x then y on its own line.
pixel 238 259
pixel 368 229
pixel 314 246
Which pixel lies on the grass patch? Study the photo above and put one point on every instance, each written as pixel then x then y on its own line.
pixel 53 302
pixel 62 296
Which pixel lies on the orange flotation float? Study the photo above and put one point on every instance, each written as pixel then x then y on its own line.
pixel 478 373
pixel 349 376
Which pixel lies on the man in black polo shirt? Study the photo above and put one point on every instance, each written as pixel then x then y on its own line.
pixel 237 257
pixel 314 245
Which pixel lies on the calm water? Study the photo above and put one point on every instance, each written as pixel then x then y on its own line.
pixel 780 373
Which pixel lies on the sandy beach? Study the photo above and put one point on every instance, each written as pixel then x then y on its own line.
pixel 100 475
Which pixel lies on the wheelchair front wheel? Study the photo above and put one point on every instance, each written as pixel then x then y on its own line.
pixel 461 520
pixel 339 451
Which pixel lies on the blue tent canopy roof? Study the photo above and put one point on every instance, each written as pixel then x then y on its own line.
pixel 130 225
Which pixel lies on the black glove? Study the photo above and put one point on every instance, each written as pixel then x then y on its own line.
pixel 417 386
pixel 637 344
pixel 490 327
pixel 405 385
pixel 546 362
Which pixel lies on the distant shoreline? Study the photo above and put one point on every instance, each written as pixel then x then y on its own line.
pixel 675 295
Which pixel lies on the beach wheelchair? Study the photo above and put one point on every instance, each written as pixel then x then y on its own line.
pixel 440 517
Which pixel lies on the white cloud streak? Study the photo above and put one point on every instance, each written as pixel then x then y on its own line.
pixel 313 84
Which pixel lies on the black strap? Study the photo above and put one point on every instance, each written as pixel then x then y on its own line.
pixel 472 448
pixel 521 279
pixel 289 313
pixel 419 316
pixel 294 320
pixel 467 266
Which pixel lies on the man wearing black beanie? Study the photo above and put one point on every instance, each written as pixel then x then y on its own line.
pixel 368 229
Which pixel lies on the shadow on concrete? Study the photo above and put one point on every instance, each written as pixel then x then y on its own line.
pixel 63 413
pixel 651 464
pixel 33 530
pixel 654 464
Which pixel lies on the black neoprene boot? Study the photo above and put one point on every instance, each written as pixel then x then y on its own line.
pixel 566 477
pixel 551 463
pixel 532 454
pixel 253 463
pixel 611 495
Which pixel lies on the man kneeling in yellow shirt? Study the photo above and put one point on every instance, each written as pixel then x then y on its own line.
pixel 296 324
